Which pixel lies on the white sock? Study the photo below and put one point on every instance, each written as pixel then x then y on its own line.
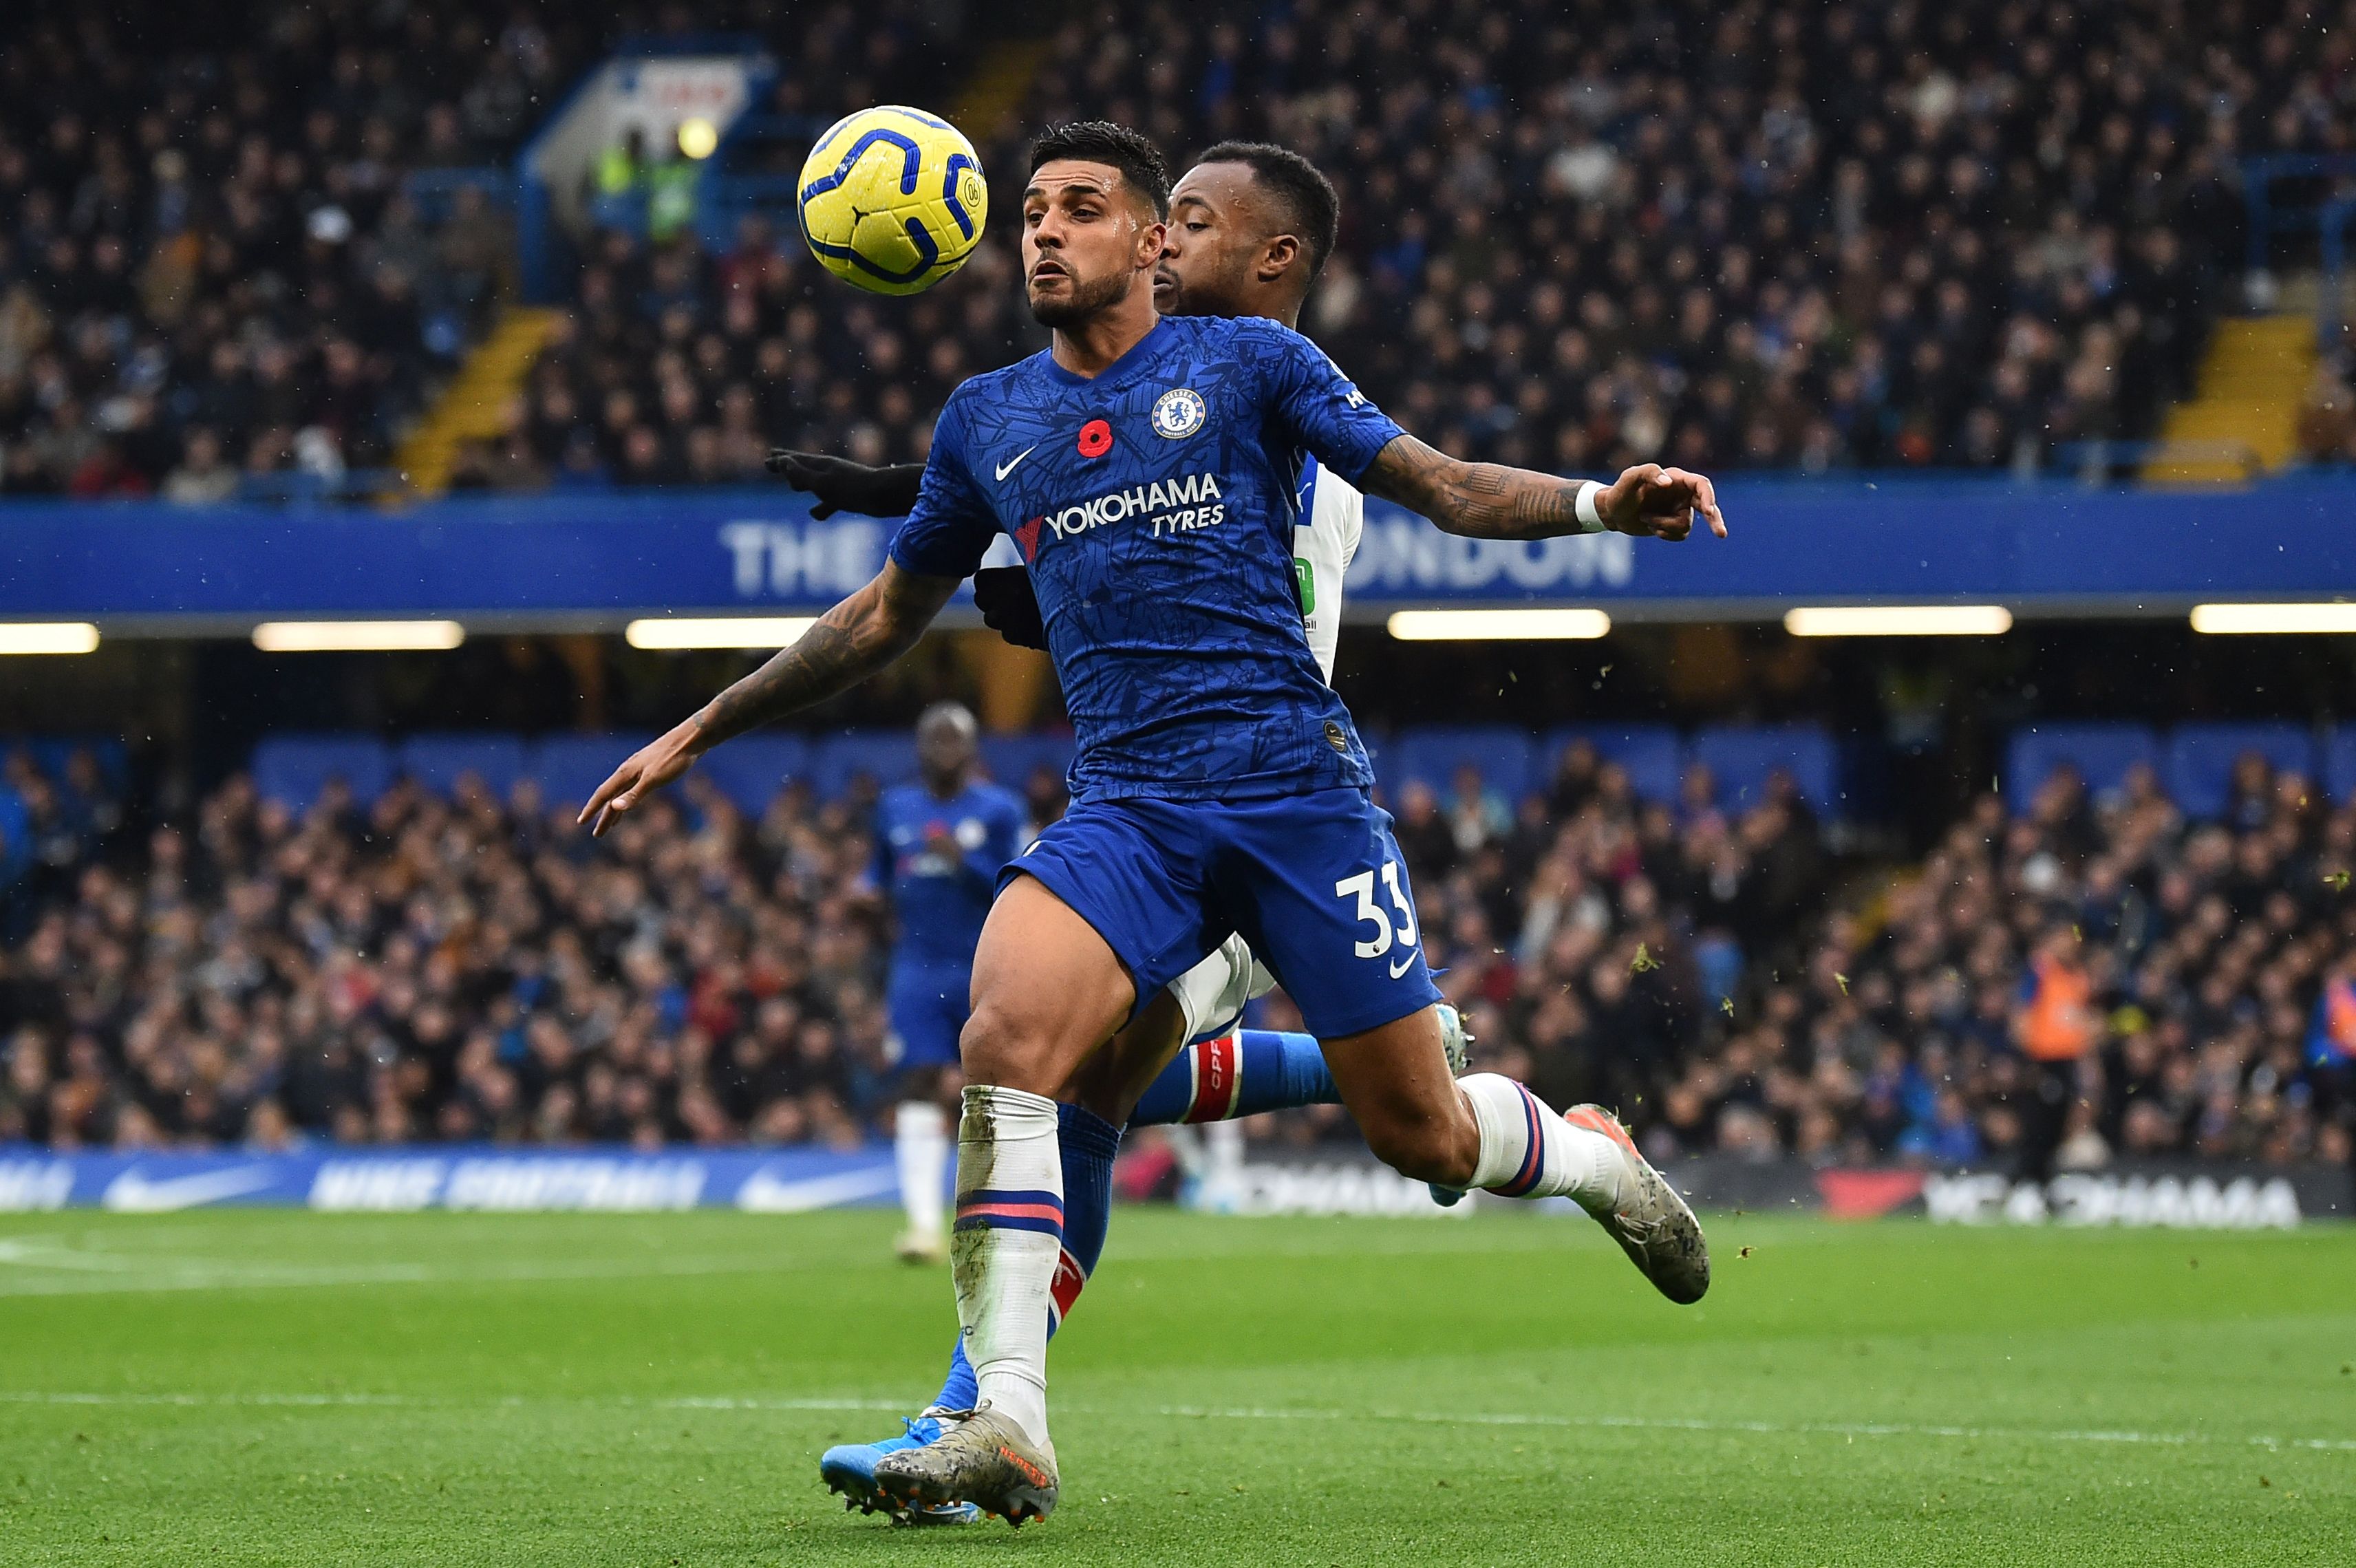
pixel 1528 1151
pixel 1003 1253
pixel 920 1149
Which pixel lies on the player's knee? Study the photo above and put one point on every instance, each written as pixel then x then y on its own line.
pixel 1000 1047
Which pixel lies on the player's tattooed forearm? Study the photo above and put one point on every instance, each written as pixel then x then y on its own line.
pixel 848 644
pixel 824 662
pixel 1483 500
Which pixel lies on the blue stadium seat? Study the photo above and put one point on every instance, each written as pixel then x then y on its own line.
pixel 751 769
pixel 1740 761
pixel 1012 758
pixel 438 759
pixel 294 768
pixel 2339 763
pixel 51 752
pixel 1651 754
pixel 888 755
pixel 16 835
pixel 2201 758
pixel 1431 754
pixel 2100 753
pixel 569 768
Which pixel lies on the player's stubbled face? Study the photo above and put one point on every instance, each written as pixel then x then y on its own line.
pixel 1080 238
pixel 1217 228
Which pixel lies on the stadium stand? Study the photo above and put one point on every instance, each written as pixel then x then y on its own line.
pixel 216 263
pixel 360 940
pixel 1882 237
pixel 2195 951
pixel 1756 235
pixel 253 242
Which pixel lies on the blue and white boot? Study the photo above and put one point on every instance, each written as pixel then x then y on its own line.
pixel 1457 1046
pixel 850 1468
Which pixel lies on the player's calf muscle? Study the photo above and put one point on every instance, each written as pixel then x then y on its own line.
pixel 1396 1083
pixel 1111 1082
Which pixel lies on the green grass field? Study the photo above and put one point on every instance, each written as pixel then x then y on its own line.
pixel 291 1388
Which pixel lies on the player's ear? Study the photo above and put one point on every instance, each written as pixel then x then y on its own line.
pixel 1152 239
pixel 1281 252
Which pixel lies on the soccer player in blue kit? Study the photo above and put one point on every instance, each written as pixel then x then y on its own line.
pixel 1145 467
pixel 1250 226
pixel 941 841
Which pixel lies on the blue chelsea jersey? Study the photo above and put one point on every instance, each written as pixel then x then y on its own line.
pixel 942 898
pixel 1155 507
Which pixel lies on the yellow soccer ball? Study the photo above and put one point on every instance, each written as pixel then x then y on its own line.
pixel 892 199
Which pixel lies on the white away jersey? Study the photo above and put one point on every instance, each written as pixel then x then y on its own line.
pixel 1333 518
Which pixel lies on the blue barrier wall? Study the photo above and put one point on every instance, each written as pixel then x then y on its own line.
pixel 589 560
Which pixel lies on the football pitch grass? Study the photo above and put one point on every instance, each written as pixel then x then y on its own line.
pixel 289 1388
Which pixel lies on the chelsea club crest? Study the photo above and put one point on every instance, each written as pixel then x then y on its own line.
pixel 1179 413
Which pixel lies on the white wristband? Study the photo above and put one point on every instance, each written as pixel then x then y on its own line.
pixel 1590 521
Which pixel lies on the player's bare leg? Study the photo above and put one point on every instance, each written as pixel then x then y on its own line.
pixel 1047 992
pixel 1489 1132
pixel 1112 1080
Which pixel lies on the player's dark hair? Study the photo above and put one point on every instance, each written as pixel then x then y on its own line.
pixel 1308 195
pixel 1140 163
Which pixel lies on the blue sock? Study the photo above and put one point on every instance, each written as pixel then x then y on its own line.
pixel 1087 1144
pixel 1242 1074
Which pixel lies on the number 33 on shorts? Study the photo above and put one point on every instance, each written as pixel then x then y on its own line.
pixel 1385 936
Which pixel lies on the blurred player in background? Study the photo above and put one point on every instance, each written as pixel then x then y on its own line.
pixel 942 840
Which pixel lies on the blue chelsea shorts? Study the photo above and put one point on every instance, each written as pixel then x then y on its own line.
pixel 1313 882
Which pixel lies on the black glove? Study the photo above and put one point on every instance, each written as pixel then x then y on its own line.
pixel 1009 606
pixel 842 486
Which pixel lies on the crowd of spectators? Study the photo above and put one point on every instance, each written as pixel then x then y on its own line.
pixel 2089 980
pixel 1751 236
pixel 1574 235
pixel 678 366
pixel 1755 234
pixel 210 262
pixel 258 240
pixel 2083 981
pixel 457 969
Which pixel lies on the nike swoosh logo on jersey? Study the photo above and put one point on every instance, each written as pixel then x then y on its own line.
pixel 1399 968
pixel 1008 467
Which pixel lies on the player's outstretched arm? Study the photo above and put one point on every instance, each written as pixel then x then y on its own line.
pixel 839 485
pixel 1488 500
pixel 849 642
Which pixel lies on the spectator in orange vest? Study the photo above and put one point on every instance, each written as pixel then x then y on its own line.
pixel 2055 1026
